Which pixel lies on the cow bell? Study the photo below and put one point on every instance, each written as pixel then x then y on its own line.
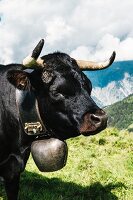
pixel 49 154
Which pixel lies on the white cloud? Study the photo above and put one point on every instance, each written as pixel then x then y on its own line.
pixel 105 47
pixel 85 29
pixel 56 30
pixel 81 52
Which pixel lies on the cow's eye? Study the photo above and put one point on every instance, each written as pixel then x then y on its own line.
pixel 69 88
pixel 56 96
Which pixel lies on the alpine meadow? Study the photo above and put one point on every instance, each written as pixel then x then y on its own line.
pixel 99 167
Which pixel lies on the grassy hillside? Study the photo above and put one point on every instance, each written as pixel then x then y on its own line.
pixel 98 168
pixel 121 113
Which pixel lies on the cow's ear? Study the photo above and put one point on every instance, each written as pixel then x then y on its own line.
pixel 19 79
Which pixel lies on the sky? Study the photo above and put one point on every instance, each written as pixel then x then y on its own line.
pixel 84 29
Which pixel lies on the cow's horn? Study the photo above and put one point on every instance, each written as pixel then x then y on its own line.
pixel 88 65
pixel 33 60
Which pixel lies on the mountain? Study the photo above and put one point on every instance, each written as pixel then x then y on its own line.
pixel 114 91
pixel 121 113
pixel 112 84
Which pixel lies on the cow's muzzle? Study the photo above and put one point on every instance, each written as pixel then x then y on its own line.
pixel 93 123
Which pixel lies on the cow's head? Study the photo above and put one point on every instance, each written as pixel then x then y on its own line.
pixel 63 92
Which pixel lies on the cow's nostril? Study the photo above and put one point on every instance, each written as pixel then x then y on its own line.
pixel 93 123
pixel 95 119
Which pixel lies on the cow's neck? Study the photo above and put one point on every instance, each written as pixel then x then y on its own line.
pixel 29 115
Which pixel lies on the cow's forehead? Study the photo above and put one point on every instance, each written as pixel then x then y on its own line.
pixel 60 61
pixel 56 55
pixel 63 65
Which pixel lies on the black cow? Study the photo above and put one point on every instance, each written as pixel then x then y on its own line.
pixel 65 106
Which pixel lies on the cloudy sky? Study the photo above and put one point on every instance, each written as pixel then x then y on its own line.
pixel 84 29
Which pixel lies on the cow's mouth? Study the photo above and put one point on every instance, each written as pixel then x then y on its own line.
pixel 93 123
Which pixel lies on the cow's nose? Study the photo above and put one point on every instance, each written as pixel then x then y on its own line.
pixel 99 119
pixel 93 122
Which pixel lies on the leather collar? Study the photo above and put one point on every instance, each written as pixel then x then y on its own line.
pixel 29 112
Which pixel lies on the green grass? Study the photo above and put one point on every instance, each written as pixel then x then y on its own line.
pixel 98 168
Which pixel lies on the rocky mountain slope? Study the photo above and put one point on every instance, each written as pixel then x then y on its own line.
pixel 114 91
pixel 112 84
